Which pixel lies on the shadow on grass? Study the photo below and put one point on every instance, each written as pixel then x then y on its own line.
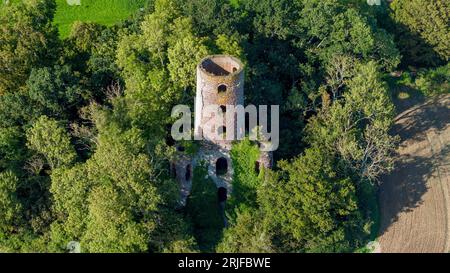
pixel 204 211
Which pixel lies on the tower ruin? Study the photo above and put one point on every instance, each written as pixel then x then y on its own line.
pixel 220 82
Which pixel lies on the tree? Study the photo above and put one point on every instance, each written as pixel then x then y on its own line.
pixel 333 29
pixel 12 152
pixel 273 18
pixel 110 225
pixel 434 81
pixel 55 92
pixel 10 207
pixel 28 40
pixel 209 16
pixel 70 189
pixel 356 130
pixel 422 30
pixel 312 202
pixel 184 53
pixel 231 45
pixel 102 65
pixel 158 66
pixel 119 200
pixel 246 234
pixel 49 139
pixel 77 48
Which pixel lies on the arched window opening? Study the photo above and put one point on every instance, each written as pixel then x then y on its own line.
pixel 221 166
pixel 223 109
pixel 234 69
pixel 222 88
pixel 222 194
pixel 257 167
pixel 188 172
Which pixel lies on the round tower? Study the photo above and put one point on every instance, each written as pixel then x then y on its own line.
pixel 220 81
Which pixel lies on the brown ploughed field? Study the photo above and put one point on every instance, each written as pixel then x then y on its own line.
pixel 415 197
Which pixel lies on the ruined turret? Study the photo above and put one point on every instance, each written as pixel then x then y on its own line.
pixel 220 81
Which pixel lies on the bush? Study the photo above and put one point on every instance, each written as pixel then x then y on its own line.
pixel 434 81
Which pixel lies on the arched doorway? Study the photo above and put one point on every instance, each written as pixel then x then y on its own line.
pixel 221 166
pixel 257 167
pixel 222 88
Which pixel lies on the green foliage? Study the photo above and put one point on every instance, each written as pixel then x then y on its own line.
pixel 273 18
pixel 158 66
pixel 11 148
pixel 94 11
pixel 184 56
pixel 246 235
pixel 10 207
pixel 313 203
pixel 70 189
pixel 231 45
pixel 48 138
pixel 335 29
pixel 190 147
pixel 422 30
pixel 55 92
pixel 434 81
pixel 209 16
pixel 357 130
pixel 28 40
pixel 107 184
pixel 246 181
pixel 110 226
pixel 117 201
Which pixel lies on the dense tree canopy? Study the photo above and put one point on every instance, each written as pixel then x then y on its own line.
pixel 423 30
pixel 28 39
pixel 84 154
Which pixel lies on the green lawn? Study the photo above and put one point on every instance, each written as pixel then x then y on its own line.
pixel 106 12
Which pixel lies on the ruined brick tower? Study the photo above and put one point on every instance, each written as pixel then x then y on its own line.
pixel 220 82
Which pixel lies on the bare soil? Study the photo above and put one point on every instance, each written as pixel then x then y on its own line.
pixel 415 197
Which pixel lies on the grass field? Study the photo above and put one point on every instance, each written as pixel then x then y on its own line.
pixel 105 12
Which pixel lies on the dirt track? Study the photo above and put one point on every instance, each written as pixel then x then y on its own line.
pixel 415 197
